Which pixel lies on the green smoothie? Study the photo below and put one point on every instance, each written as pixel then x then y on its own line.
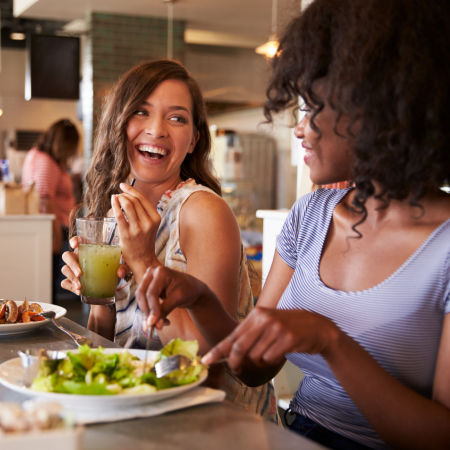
pixel 99 264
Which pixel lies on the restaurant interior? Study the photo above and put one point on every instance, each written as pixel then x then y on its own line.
pixel 59 58
pixel 143 355
pixel 256 163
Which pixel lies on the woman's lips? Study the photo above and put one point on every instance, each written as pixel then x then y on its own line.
pixel 151 151
pixel 308 153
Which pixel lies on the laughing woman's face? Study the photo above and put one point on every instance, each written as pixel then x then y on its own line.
pixel 161 133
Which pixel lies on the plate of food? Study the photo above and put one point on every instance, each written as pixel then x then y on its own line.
pixel 23 316
pixel 95 379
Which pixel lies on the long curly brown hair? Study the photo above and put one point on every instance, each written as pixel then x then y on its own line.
pixel 109 165
pixel 387 64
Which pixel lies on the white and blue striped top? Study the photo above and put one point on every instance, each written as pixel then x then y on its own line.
pixel 399 321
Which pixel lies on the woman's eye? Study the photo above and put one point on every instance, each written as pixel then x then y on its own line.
pixel 140 112
pixel 178 119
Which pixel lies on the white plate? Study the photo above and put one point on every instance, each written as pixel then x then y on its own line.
pixel 17 328
pixel 11 375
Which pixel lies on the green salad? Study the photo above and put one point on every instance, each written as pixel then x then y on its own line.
pixel 91 371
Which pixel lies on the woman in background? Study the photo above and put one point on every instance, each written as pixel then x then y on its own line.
pixel 358 295
pixel 46 167
pixel 154 129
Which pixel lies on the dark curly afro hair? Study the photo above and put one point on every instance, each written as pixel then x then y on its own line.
pixel 387 65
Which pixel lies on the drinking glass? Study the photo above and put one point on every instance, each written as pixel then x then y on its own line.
pixel 99 258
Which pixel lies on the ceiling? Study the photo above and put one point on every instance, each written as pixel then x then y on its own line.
pixel 245 23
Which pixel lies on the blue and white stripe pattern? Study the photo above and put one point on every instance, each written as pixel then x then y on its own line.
pixel 399 321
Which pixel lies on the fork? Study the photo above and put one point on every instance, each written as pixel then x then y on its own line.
pixel 147 345
pixel 78 339
pixel 175 362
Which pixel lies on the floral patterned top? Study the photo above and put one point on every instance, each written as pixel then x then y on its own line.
pixel 128 328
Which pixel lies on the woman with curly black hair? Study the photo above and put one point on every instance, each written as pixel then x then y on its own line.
pixel 358 295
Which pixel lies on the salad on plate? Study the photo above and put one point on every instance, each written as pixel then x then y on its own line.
pixel 92 371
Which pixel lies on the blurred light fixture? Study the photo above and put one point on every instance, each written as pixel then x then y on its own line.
pixel 17 36
pixel 169 27
pixel 269 49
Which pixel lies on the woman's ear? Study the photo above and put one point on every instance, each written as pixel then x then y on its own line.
pixel 194 142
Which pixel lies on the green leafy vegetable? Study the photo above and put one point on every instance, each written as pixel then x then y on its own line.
pixel 93 372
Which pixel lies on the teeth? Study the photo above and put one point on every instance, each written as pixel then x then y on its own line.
pixel 151 149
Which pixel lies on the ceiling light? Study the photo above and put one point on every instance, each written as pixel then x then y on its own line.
pixel 169 27
pixel 17 36
pixel 269 49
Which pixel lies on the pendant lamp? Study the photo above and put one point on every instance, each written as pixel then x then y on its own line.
pixel 270 48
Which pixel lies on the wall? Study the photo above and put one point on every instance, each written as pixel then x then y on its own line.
pixel 35 114
pixel 250 121
pixel 116 43
pixel 240 70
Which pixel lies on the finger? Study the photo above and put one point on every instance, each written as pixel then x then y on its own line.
pixel 258 353
pixel 244 338
pixel 275 353
pixel 66 284
pixel 71 259
pixel 219 351
pixel 118 214
pixel 69 283
pixel 155 291
pixel 123 271
pixel 137 214
pixel 136 218
pixel 72 278
pixel 74 242
pixel 141 292
pixel 150 209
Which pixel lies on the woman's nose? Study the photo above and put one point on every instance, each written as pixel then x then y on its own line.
pixel 299 129
pixel 155 126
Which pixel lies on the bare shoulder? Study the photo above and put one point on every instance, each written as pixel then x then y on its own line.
pixel 209 212
pixel 206 207
pixel 207 221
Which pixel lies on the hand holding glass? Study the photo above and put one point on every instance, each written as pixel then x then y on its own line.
pixel 99 258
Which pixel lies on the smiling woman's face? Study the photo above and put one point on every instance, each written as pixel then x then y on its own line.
pixel 328 155
pixel 161 133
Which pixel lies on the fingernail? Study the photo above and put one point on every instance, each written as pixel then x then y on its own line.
pixel 207 359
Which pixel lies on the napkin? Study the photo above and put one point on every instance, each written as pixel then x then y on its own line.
pixel 193 397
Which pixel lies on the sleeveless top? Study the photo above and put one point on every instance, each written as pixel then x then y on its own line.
pixel 398 322
pixel 128 328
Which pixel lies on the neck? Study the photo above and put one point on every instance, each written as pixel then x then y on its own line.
pixel 432 206
pixel 154 191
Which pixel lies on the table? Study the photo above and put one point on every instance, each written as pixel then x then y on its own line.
pixel 219 425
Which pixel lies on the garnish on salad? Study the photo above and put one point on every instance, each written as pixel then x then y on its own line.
pixel 91 371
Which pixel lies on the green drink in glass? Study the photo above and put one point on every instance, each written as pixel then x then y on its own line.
pixel 99 258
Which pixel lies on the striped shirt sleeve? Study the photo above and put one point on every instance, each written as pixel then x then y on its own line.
pixel 287 239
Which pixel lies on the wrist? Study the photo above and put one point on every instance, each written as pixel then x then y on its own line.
pixel 203 297
pixel 139 268
pixel 332 340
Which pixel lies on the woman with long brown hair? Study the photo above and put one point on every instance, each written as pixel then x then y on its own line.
pixel 154 130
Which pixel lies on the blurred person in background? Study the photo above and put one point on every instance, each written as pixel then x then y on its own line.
pixel 46 167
